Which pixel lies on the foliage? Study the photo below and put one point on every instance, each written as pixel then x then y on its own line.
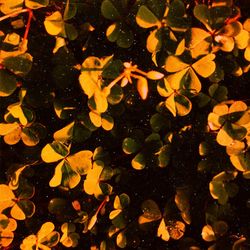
pixel 124 124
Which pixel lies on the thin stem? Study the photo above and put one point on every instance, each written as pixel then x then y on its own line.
pixel 27 25
pixel 14 13
pixel 112 84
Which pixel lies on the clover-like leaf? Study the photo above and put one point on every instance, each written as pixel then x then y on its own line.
pixel 54 23
pixel 70 237
pixel 54 152
pixel 7 226
pixel 46 238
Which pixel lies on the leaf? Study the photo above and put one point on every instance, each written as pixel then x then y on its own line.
pixel 201 12
pixel 23 209
pixel 20 65
pixel 65 134
pixel 54 152
pixel 138 162
pixel 174 64
pixel 154 75
pixel 130 145
pixel 121 240
pixel 95 118
pixel 36 4
pixel 8 83
pixel 205 66
pixel 6 198
pixel 9 6
pixel 218 191
pixel 6 128
pixel 145 18
pixel 241 162
pixel 208 233
pixel 54 24
pixel 70 10
pixel 162 231
pixel 81 162
pixel 183 105
pixel 142 87
pixel 116 95
pixel 109 10
pixel 91 183
pixel 150 210
pixel 107 122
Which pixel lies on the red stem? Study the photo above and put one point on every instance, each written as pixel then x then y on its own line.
pixel 28 25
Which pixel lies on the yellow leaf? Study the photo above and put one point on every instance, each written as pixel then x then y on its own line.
pixel 6 128
pixel 13 137
pixel 154 75
pixel 65 133
pixel 9 6
pixel 174 64
pixel 170 104
pixel 176 78
pixel 247 53
pixel 238 106
pixel 57 178
pixel 107 122
pixel 142 87
pixel 114 213
pixel 81 161
pixel 17 213
pixel 205 66
pixel 242 39
pixel 6 237
pixel 208 233
pixel 45 230
pixel 154 42
pixel 6 197
pixel 223 138
pixel 162 231
pixel 54 24
pixel 92 221
pixel 95 118
pixel 91 184
pixel 53 152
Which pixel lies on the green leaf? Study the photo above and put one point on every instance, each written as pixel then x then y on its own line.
pixel 109 10
pixel 71 31
pixel 130 145
pixel 116 95
pixel 70 10
pixel 159 122
pixel 201 12
pixel 8 83
pixel 19 65
pixel 150 210
pixel 218 191
pixel 145 18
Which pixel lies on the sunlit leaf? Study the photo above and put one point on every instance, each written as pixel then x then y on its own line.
pixel 205 66
pixel 54 24
pixel 208 233
pixel 162 231
pixel 142 87
pixel 54 152
pixel 6 198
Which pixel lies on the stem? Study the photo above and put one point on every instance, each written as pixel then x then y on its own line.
pixel 141 72
pixel 14 13
pixel 27 26
pixel 112 84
